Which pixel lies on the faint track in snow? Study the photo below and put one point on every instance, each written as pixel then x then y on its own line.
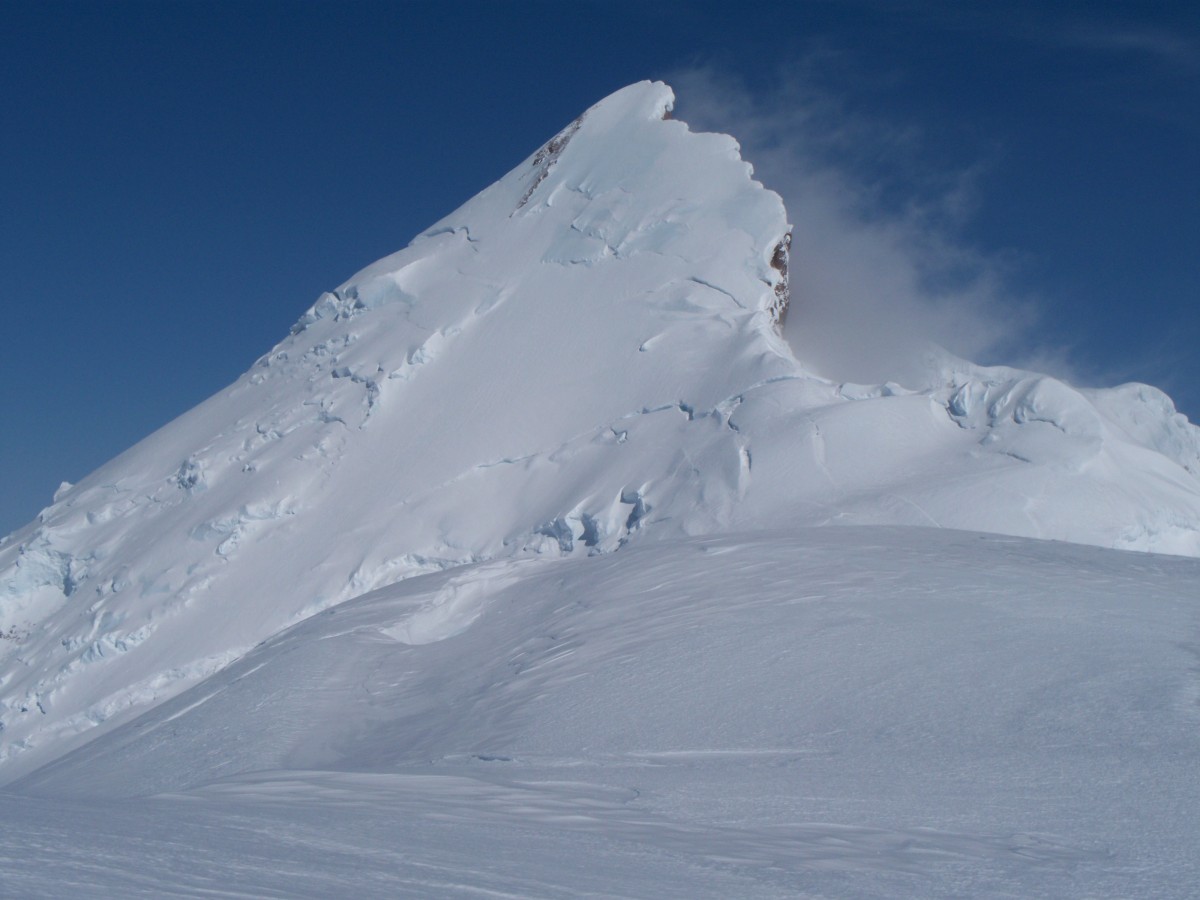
pixel 913 504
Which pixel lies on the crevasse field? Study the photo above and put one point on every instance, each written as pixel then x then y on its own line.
pixel 532 563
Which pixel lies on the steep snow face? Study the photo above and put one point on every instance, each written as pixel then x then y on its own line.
pixel 584 353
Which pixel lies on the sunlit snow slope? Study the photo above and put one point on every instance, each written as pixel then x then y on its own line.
pixel 873 712
pixel 585 353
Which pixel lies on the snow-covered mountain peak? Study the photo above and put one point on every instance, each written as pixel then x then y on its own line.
pixel 584 354
pixel 548 369
pixel 620 181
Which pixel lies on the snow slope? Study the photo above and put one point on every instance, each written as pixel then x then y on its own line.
pixel 472 396
pixel 584 355
pixel 850 712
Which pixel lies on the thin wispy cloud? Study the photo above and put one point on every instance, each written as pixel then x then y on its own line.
pixel 881 271
pixel 1166 47
pixel 1135 30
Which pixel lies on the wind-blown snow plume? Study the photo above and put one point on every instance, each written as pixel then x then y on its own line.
pixel 881 272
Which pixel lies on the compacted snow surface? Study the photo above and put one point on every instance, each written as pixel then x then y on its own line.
pixel 823 712
pixel 499 577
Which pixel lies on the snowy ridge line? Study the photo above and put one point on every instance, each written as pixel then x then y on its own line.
pixel 545 158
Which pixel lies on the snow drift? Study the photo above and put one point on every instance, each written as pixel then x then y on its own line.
pixel 584 354
pixel 822 713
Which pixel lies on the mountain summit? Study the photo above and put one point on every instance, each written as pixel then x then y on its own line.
pixel 585 354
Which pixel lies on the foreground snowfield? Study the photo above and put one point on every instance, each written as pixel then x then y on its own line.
pixel 499 576
pixel 825 712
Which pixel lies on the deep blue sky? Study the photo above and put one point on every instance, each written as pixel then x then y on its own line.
pixel 181 180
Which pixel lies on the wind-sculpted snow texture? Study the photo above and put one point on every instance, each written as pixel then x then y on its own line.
pixel 585 353
pixel 836 712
